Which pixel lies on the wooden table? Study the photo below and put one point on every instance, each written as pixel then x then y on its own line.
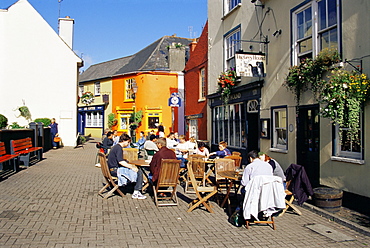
pixel 142 164
pixel 233 177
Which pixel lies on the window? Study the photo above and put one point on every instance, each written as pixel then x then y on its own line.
pixel 80 90
pixel 229 124
pixel 230 4
pixel 193 128
pixel 279 118
pixel 202 84
pixel 153 120
pixel 97 88
pixel 124 121
pixel 347 147
pixel 315 27
pixel 232 45
pixel 128 87
pixel 94 119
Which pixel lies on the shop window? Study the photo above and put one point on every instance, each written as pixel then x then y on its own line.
pixel 94 119
pixel 229 124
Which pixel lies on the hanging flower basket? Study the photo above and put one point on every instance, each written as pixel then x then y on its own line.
pixel 87 98
pixel 226 82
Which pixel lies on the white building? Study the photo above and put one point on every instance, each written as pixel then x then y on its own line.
pixel 38 69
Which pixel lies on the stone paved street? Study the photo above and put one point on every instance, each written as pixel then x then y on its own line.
pixel 54 203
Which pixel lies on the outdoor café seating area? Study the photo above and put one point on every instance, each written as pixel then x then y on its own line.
pixel 204 184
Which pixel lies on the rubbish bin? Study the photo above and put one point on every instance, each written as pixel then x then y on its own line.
pixel 328 198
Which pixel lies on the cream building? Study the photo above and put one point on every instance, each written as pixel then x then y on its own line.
pixel 261 108
pixel 38 69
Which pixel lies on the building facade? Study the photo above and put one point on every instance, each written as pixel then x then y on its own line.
pixel 286 34
pixel 38 69
pixel 196 85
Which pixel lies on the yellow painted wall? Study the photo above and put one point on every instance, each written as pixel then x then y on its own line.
pixel 154 90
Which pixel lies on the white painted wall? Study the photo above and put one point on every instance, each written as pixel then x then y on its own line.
pixel 38 67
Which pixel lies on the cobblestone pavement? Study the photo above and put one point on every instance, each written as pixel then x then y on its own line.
pixel 54 203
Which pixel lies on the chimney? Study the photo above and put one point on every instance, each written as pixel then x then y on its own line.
pixel 66 30
pixel 193 45
pixel 176 60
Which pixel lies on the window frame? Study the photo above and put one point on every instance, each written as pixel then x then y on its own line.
pixel 274 132
pixel 128 89
pixel 316 32
pixel 229 124
pixel 98 121
pixel 338 141
pixel 202 84
pixel 232 44
pixel 97 88
pixel 231 4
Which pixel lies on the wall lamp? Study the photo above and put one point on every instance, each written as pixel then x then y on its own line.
pixel 256 3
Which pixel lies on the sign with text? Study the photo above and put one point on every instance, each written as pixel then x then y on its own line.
pixel 250 65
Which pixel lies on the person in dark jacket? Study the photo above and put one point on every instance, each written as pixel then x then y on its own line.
pixel 108 142
pixel 300 184
pixel 164 152
pixel 54 132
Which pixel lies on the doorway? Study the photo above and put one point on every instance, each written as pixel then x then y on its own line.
pixel 308 145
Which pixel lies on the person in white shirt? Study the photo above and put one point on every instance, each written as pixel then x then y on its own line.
pixel 202 149
pixel 256 167
pixel 171 142
pixel 150 144
pixel 182 150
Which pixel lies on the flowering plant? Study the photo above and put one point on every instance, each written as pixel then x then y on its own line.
pixel 87 98
pixel 343 95
pixel 309 73
pixel 226 82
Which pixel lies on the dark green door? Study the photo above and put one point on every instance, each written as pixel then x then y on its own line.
pixel 308 145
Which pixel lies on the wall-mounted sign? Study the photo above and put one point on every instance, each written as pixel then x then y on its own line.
pixel 174 100
pixel 250 65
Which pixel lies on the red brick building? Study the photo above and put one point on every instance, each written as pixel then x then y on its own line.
pixel 196 70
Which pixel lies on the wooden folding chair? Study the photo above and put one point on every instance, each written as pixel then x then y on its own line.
pixel 207 193
pixel 130 154
pixel 289 202
pixel 111 182
pixel 223 164
pixel 236 153
pixel 167 183
pixel 237 159
pixel 198 166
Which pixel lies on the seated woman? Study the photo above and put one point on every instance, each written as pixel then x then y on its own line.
pixel 182 150
pixel 223 152
pixel 276 168
pixel 202 149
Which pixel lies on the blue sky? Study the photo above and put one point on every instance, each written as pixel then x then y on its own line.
pixel 110 29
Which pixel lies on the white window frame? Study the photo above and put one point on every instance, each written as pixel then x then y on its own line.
pixel 315 33
pixel 202 84
pixel 81 90
pixel 232 44
pixel 97 88
pixel 128 88
pixel 94 119
pixel 339 141
pixel 231 4
pixel 279 126
pixel 193 128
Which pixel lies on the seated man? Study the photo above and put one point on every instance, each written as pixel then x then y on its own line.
pixel 163 153
pixel 256 167
pixel 150 146
pixel 125 171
